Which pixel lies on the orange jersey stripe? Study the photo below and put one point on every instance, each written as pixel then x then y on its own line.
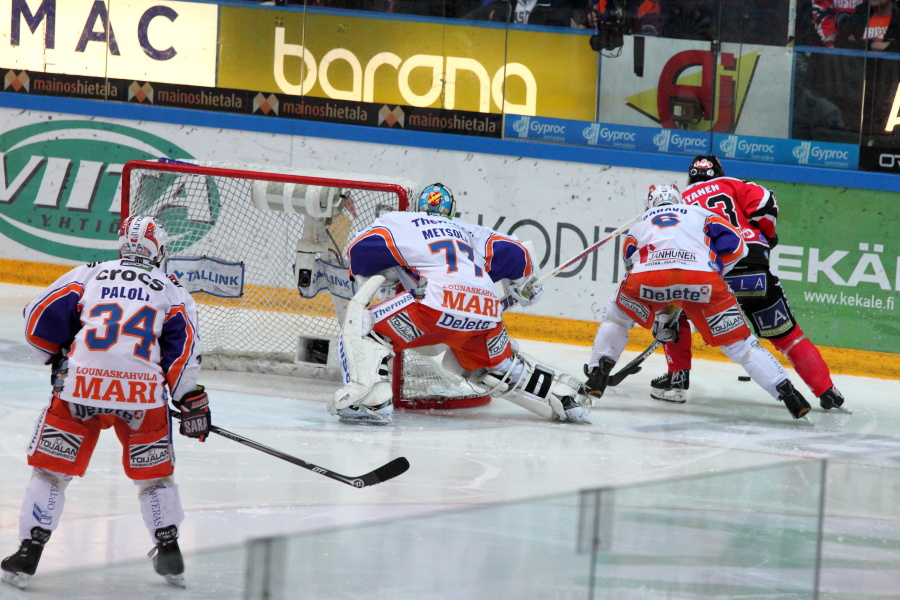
pixel 41 308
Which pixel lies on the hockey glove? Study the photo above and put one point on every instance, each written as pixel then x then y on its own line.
pixel 524 290
pixel 665 326
pixel 195 416
pixel 59 368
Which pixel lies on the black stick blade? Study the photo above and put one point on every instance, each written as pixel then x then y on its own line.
pixel 396 467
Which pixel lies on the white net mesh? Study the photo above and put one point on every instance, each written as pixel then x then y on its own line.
pixel 234 232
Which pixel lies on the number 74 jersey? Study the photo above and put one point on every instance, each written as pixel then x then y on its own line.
pixel 129 331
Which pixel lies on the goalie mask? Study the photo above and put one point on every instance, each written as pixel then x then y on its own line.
pixel 437 199
pixel 660 195
pixel 142 238
pixel 704 168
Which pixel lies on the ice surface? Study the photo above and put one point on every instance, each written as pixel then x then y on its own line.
pixel 459 458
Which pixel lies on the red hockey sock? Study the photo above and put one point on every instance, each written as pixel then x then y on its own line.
pixel 678 354
pixel 807 362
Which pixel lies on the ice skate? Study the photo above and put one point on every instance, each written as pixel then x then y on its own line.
pixel 383 414
pixel 166 555
pixel 20 566
pixel 671 387
pixel 795 403
pixel 598 377
pixel 832 398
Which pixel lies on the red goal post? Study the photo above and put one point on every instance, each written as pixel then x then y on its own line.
pixel 241 239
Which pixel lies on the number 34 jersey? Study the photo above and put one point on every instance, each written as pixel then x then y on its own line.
pixel 460 260
pixel 129 332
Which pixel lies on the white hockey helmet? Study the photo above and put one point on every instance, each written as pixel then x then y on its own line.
pixel 660 195
pixel 142 238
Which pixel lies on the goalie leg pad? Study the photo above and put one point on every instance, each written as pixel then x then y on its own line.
pixel 361 356
pixel 364 383
pixel 537 388
pixel 44 500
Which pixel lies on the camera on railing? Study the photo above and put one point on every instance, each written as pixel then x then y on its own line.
pixel 610 34
pixel 612 27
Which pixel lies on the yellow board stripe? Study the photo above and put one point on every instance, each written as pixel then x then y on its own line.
pixel 532 327
pixel 569 331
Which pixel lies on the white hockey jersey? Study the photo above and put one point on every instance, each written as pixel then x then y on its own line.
pixel 460 261
pixel 129 330
pixel 681 236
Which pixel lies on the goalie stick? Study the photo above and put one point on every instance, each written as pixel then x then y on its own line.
pixel 509 301
pixel 622 229
pixel 396 467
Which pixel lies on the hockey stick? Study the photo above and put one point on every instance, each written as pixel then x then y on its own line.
pixel 509 301
pixel 635 365
pixel 396 467
pixel 622 229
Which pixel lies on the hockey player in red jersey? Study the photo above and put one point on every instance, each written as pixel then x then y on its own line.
pixel 675 257
pixel 121 339
pixel 448 269
pixel 753 210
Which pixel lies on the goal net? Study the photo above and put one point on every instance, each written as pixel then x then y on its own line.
pixel 262 251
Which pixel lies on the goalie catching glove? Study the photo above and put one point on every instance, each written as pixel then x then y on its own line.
pixel 524 290
pixel 194 407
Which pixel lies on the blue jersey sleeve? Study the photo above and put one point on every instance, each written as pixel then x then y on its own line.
pixel 374 251
pixel 507 258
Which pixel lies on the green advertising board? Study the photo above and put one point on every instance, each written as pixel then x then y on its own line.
pixel 61 181
pixel 838 259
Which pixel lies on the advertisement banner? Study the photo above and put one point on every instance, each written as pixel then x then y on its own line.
pixel 786 152
pixel 419 64
pixel 839 265
pixel 606 135
pixel 60 203
pixel 221 278
pixel 879 158
pixel 683 84
pixel 154 40
pixel 60 183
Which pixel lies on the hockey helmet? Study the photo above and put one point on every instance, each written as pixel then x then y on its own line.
pixel 142 238
pixel 704 168
pixel 437 199
pixel 660 195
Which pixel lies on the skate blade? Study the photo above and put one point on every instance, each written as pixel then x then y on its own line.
pixel 839 409
pixel 675 399
pixel 366 421
pixel 19 580
pixel 176 580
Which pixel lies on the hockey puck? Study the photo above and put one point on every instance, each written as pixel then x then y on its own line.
pixel 743 378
